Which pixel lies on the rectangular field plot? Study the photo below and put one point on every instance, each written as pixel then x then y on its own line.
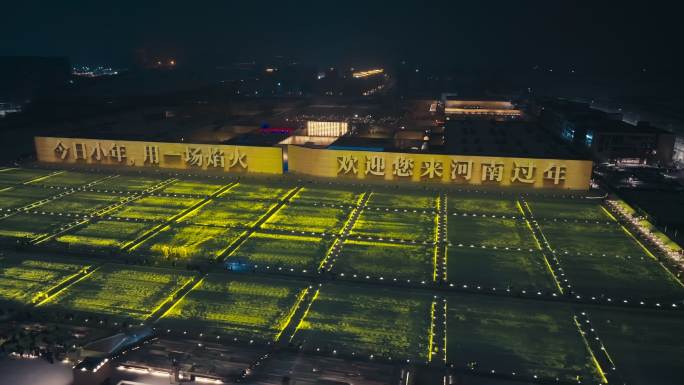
pixel 229 213
pixel 620 278
pixel 80 202
pixel 24 279
pixel 645 347
pixel 189 242
pixel 127 183
pixel 121 291
pixel 71 179
pixel 21 196
pixel 414 262
pixel 395 225
pixel 249 191
pixel 568 209
pixel 156 208
pixel 104 234
pixel 282 251
pixel 246 307
pixel 368 320
pixel 27 226
pixel 490 205
pixel 490 232
pixel 13 176
pixel 404 200
pixel 508 335
pixel 595 239
pixel 326 195
pixel 498 268
pixel 192 187
pixel 308 218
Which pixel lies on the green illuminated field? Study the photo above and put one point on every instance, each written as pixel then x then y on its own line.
pixel 568 209
pixel 326 195
pixel 496 206
pixel 386 260
pixel 19 196
pixel 282 251
pixel 498 268
pixel 29 226
pixel 647 349
pixel 249 191
pixel 127 183
pixel 238 306
pixel 13 176
pixel 229 213
pixel 490 232
pixel 251 265
pixel 594 239
pixel 411 200
pixel 618 277
pixel 121 291
pixel 71 179
pixel 308 218
pixel 196 188
pixel 22 280
pixel 104 234
pixel 80 202
pixel 395 225
pixel 189 242
pixel 382 322
pixel 508 335
pixel 156 208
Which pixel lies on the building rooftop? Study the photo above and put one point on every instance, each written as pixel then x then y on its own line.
pixel 599 121
pixel 510 138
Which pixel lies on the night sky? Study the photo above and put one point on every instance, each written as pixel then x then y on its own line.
pixel 625 35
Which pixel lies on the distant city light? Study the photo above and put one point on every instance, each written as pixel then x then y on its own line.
pixel 94 72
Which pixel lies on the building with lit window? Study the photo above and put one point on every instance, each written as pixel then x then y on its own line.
pixel 315 128
pixel 605 135
pixel 480 108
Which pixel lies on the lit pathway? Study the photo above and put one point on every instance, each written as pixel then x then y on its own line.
pixel 331 256
pixel 440 260
pixel 257 225
pixel 553 264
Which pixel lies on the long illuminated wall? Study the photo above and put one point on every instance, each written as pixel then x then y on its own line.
pixel 265 160
pixel 453 169
pixel 387 166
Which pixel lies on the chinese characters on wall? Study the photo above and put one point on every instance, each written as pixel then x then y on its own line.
pixel 160 154
pixel 520 172
pixel 414 167
pixel 196 156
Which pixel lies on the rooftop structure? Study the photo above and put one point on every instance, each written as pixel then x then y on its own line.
pixel 482 108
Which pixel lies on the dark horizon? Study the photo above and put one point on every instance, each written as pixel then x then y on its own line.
pixel 617 37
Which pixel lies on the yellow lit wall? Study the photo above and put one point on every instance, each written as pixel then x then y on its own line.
pixel 452 169
pixel 184 156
